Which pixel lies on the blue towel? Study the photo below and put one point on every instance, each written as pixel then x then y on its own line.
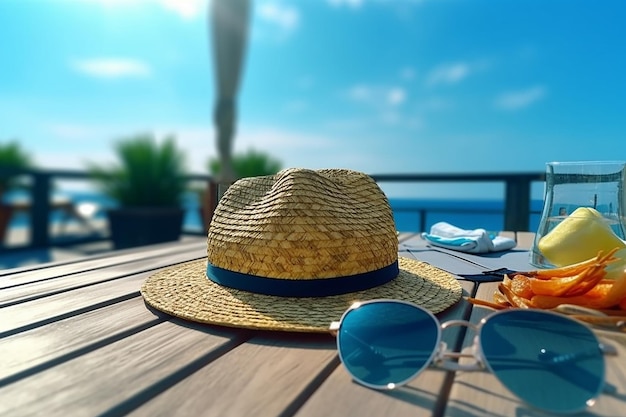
pixel 447 236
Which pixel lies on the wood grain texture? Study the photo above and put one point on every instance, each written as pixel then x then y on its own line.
pixel 77 339
pixel 525 240
pixel 124 282
pixel 262 377
pixel 32 274
pixel 38 312
pixel 61 340
pixel 77 280
pixel 98 381
pixel 424 396
pixel 481 394
pixel 340 397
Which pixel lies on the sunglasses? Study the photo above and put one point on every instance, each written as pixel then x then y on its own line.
pixel 384 344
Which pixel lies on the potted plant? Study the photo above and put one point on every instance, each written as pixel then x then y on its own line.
pixel 147 182
pixel 251 163
pixel 12 156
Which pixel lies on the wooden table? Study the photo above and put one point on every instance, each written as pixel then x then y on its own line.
pixel 77 339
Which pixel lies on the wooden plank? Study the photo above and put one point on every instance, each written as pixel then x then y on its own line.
pixel 278 374
pixel 340 396
pixel 102 379
pixel 57 306
pixel 71 360
pixel 402 236
pixel 510 235
pixel 11 278
pixel 473 393
pixel 480 393
pixel 525 240
pixel 58 341
pixel 54 285
pixel 263 377
pixel 60 306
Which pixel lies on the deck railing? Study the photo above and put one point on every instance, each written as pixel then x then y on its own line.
pixel 517 194
pixel 517 191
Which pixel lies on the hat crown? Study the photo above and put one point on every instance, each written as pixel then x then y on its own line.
pixel 302 224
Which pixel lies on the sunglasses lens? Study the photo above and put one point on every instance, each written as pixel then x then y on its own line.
pixel 549 361
pixel 386 343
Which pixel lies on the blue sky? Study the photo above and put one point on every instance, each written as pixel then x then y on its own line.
pixel 377 86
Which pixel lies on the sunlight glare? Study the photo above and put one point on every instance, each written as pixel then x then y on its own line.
pixel 186 9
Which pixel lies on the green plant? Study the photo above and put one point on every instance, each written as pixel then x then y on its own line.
pixel 249 164
pixel 147 174
pixel 12 156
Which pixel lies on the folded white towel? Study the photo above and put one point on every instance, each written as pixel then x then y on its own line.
pixel 448 236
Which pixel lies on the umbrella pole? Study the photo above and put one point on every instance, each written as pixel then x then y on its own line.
pixel 229 20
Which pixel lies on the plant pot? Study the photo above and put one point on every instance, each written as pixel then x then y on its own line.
pixel 5 218
pixel 138 226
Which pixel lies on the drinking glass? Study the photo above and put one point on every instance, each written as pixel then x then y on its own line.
pixel 570 185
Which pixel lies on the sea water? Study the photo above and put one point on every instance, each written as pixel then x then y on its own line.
pixel 409 213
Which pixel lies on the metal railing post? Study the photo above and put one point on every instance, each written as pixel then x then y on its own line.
pixel 517 204
pixel 209 203
pixel 40 214
pixel 422 214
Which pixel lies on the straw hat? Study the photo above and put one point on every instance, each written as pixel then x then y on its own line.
pixel 293 251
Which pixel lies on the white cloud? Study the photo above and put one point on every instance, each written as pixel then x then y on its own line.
pixel 520 99
pixel 267 137
pixel 448 73
pixel 396 96
pixel 81 142
pixel 71 131
pixel 187 9
pixel 435 103
pixel 377 95
pixel 285 17
pixel 408 73
pixel 382 105
pixel 112 67
pixel 360 93
pixel 304 149
pixel 355 4
pixel 78 143
pixel 293 148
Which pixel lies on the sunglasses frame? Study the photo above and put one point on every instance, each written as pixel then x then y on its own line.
pixel 444 359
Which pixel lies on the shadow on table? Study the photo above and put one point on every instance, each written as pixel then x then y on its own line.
pixel 426 400
pixel 259 337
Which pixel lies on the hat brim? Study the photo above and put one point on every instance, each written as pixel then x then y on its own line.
pixel 185 291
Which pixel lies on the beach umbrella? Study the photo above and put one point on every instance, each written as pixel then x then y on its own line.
pixel 229 30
